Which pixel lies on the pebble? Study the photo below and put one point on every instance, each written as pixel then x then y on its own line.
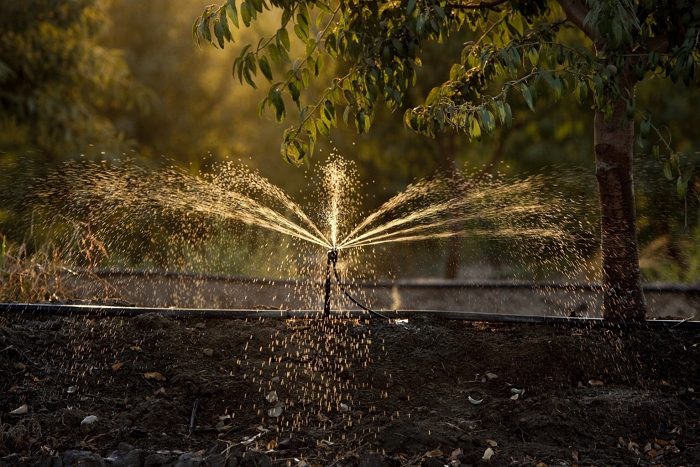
pixel 88 424
pixel 200 326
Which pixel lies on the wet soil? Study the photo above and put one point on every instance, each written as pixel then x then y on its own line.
pixel 427 392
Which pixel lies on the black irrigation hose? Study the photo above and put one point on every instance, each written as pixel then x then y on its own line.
pixel 111 311
pixel 352 299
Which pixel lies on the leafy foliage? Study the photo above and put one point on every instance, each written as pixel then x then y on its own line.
pixel 57 81
pixel 523 44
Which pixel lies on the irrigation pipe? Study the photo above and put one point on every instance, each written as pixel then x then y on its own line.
pixel 564 321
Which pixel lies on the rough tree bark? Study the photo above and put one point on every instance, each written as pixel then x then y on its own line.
pixel 622 289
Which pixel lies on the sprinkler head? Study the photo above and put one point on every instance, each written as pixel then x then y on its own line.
pixel 333 255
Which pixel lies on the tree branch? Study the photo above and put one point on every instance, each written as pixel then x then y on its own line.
pixel 477 6
pixel 576 13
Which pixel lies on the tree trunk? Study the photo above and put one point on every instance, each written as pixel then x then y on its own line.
pixel 622 288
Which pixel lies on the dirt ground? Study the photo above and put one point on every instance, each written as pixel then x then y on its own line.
pixel 423 392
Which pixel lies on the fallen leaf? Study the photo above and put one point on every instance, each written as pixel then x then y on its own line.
pixel 35 379
pixel 542 464
pixel 13 388
pixel 321 418
pixel 434 453
pixel 491 443
pixel 455 454
pixel 208 352
pixel 22 409
pixel 596 383
pixel 154 375
pixel 135 347
pixel 632 446
pixel 652 453
pixel 116 366
pixel 514 397
pixel 665 383
pixel 574 455
pixel 160 391
pixel 271 445
pixel 488 454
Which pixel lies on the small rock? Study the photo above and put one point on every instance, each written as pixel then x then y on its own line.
pixel 88 424
pixel 126 456
pixel 208 352
pixel 275 379
pixel 271 396
pixel 82 459
pixel 188 459
pixel 491 376
pixel 200 326
pixel 275 412
pixel 344 407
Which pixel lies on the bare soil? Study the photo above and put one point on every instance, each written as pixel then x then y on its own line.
pixel 428 392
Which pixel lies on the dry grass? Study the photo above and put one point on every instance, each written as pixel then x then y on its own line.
pixel 30 277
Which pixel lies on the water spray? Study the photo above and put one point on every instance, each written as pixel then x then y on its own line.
pixel 331 264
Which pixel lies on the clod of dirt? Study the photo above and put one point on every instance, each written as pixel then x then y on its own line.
pixel 152 322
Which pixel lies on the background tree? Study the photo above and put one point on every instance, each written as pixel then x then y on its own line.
pixel 57 87
pixel 524 43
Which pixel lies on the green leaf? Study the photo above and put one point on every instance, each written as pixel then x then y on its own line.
pixel 509 115
pixel 232 12
pixel 668 173
pixel 655 151
pixel 283 37
pixel 278 104
pixel 318 65
pixel 409 8
pixel 500 111
pixel 527 94
pixel 644 128
pixel 305 77
pixel 474 128
pixel 261 107
pixel 346 114
pixel 581 92
pixel 265 67
pixel 534 56
pixel 219 33
pixel 323 128
pixel 681 188
pixel 301 33
pixel 433 97
pixel 274 54
pixel 245 13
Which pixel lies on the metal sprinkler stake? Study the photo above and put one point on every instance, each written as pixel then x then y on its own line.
pixel 332 258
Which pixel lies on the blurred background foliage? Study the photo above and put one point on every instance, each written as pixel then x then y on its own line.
pixel 99 79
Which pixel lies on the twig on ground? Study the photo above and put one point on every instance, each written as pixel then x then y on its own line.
pixel 193 417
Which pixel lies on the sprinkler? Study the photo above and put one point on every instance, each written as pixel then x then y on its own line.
pixel 332 260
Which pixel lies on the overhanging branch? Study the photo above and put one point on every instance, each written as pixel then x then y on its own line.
pixel 576 13
pixel 476 6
